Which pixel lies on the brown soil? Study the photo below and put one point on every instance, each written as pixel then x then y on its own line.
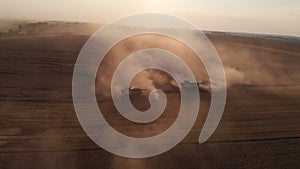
pixel 39 128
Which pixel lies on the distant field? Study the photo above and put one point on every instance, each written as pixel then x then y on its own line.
pixel 14 28
pixel 39 128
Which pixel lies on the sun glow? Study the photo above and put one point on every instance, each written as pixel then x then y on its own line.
pixel 156 2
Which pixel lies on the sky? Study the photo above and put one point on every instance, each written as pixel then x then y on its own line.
pixel 253 16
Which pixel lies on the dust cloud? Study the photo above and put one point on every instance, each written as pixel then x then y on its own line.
pixel 243 65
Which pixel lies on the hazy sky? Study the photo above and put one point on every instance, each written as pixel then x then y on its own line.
pixel 261 16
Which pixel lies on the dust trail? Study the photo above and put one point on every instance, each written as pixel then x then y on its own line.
pixel 243 66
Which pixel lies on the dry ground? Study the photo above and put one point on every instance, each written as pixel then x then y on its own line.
pixel 39 129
